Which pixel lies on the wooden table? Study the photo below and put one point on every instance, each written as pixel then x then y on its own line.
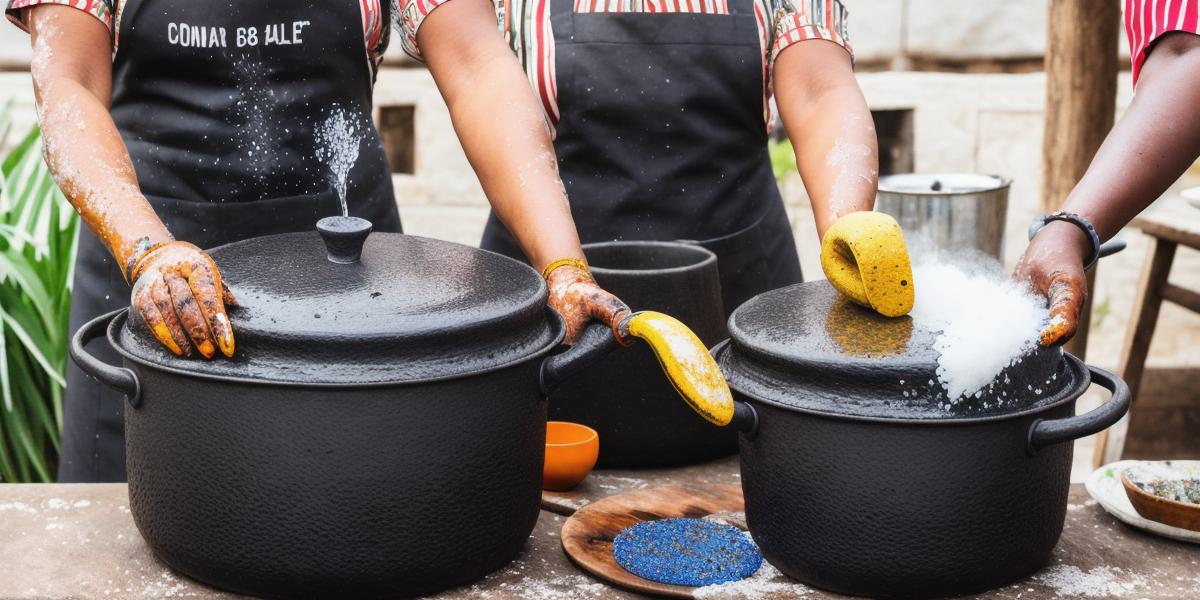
pixel 1169 226
pixel 64 541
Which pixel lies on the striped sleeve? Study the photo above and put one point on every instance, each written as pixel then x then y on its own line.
pixel 1148 20
pixel 101 9
pixel 799 20
pixel 408 20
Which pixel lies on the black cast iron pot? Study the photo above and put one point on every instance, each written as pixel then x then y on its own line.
pixel 862 477
pixel 624 396
pixel 379 433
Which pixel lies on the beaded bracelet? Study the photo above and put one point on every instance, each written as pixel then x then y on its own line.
pixel 1040 221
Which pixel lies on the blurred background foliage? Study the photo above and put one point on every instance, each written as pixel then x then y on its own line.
pixel 37 258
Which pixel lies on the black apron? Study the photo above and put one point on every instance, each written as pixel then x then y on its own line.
pixel 662 138
pixel 221 127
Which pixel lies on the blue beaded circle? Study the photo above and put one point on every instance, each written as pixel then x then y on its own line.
pixel 690 552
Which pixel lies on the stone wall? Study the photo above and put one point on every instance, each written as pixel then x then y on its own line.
pixel 971 35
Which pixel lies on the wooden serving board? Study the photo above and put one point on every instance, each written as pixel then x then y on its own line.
pixel 587 537
pixel 603 483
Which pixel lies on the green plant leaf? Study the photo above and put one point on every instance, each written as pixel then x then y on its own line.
pixel 38 244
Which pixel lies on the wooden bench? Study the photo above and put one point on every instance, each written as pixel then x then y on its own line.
pixel 1173 224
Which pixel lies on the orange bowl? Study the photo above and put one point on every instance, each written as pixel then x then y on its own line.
pixel 571 451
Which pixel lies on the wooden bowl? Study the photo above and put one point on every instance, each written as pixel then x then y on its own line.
pixel 571 451
pixel 1168 512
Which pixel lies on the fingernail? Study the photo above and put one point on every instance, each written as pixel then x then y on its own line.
pixel 164 335
pixel 206 348
pixel 225 338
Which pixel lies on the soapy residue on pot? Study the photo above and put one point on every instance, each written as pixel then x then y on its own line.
pixel 339 138
pixel 984 321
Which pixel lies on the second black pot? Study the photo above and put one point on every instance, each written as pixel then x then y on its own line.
pixel 623 396
pixel 861 477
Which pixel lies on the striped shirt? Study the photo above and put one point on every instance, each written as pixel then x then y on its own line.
pixel 1148 20
pixel 526 27
pixel 109 13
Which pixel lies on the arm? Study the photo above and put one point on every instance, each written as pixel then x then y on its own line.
pixel 827 119
pixel 72 78
pixel 1155 141
pixel 504 133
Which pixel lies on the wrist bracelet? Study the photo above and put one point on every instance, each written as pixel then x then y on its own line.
pixel 1094 238
pixel 143 249
pixel 565 262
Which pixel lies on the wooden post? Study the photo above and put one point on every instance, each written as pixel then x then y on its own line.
pixel 1081 98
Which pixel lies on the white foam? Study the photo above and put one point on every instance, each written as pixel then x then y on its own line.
pixel 984 322
pixel 338 141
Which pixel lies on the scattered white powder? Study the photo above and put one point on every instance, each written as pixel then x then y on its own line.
pixel 985 322
pixel 338 141
pixel 18 506
pixel 1100 582
pixel 766 583
pixel 846 156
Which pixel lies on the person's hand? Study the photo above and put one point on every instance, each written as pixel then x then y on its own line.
pixel 1053 267
pixel 577 297
pixel 178 292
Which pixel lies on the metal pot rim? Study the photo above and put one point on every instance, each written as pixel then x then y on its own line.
pixel 1082 381
pixel 1002 183
pixel 114 326
pixel 709 257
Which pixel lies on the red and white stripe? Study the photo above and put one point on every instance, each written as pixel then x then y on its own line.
pixel 1148 20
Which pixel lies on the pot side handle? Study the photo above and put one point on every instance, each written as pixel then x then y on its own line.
pixel 1054 431
pixel 119 378
pixel 595 343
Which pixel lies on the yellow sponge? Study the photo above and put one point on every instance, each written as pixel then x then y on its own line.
pixel 866 259
pixel 687 364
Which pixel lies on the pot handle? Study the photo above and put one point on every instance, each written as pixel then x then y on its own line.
pixel 119 378
pixel 1054 431
pixel 745 419
pixel 595 343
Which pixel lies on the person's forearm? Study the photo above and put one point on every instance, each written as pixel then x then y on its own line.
pixel 501 127
pixel 81 144
pixel 1155 141
pixel 831 129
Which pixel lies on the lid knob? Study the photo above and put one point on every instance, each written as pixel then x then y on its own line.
pixel 344 237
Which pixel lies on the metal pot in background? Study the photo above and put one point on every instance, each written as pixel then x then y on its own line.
pixel 956 211
pixel 623 396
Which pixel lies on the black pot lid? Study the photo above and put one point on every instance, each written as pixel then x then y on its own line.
pixel 412 309
pixel 808 348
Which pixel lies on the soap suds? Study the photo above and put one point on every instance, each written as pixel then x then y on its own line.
pixel 984 321
pixel 339 139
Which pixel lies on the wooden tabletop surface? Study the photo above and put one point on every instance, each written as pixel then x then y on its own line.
pixel 61 541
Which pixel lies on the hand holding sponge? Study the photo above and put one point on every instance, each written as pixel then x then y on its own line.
pixel 865 257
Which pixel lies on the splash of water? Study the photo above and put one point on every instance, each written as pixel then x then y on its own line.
pixel 338 141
